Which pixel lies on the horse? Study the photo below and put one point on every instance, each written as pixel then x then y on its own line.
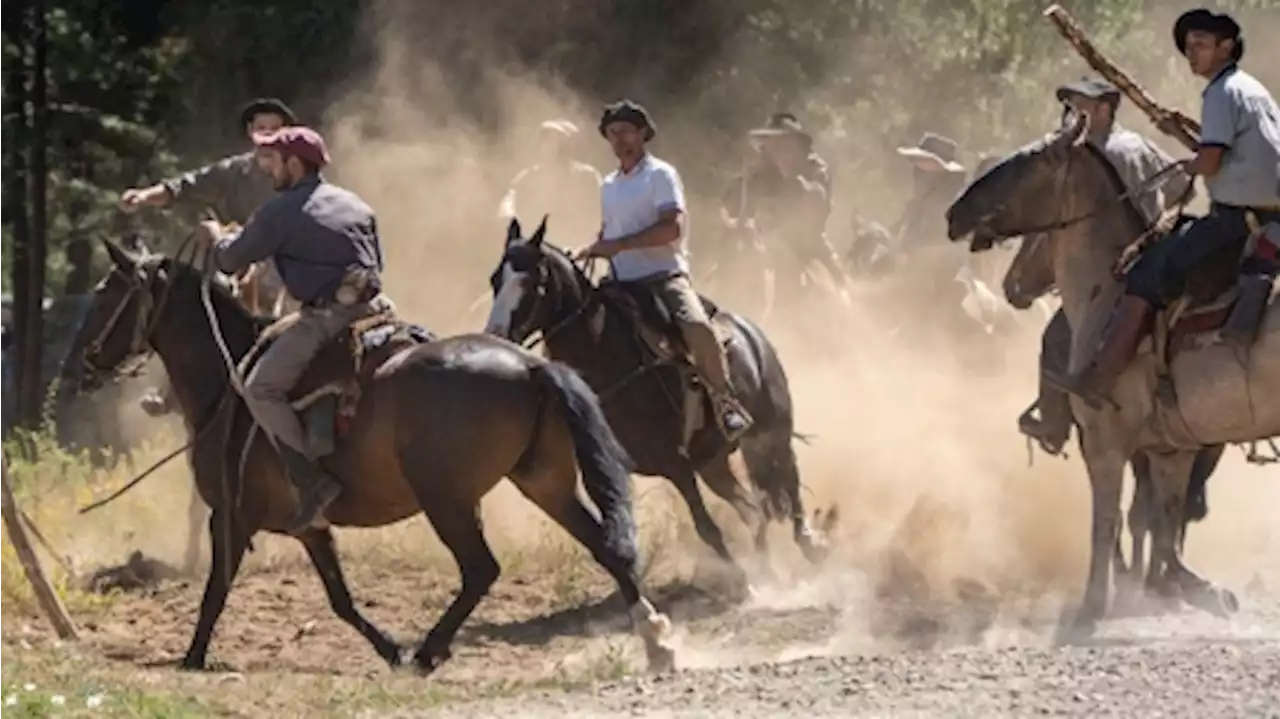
pixel 537 287
pixel 420 425
pixel 1029 278
pixel 1186 390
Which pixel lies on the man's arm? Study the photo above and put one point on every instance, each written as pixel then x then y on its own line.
pixel 1219 117
pixel 203 187
pixel 668 200
pixel 256 241
pixel 1179 187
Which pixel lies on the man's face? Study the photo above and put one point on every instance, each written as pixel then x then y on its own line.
pixel 783 150
pixel 626 139
pixel 264 122
pixel 1206 53
pixel 273 163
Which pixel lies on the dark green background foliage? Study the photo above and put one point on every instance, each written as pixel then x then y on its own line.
pixel 138 89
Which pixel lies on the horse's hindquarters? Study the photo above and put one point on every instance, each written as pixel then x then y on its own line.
pixel 1225 399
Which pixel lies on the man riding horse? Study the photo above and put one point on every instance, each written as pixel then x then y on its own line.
pixel 784 192
pixel 324 240
pixel 643 236
pixel 557 185
pixel 233 188
pixel 1239 159
pixel 1137 162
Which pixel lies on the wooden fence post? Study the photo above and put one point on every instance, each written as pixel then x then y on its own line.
pixel 49 601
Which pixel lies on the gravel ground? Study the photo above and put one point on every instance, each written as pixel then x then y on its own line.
pixel 1178 665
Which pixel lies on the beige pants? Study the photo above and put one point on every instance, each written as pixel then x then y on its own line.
pixel 266 391
pixel 677 294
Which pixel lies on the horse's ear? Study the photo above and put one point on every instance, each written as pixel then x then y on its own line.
pixel 539 234
pixel 513 230
pixel 120 256
pixel 1074 134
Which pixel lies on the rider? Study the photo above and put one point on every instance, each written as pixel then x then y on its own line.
pixel 937 178
pixel 233 188
pixel 788 190
pixel 557 185
pixel 643 235
pixel 1137 161
pixel 324 239
pixel 1239 157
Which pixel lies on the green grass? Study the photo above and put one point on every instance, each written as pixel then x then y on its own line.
pixel 51 686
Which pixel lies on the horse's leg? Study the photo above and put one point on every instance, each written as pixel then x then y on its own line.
pixel 195 515
pixel 319 544
pixel 1130 580
pixel 719 476
pixel 229 544
pixel 1172 473
pixel 1106 478
pixel 771 462
pixel 556 497
pixel 687 484
pixel 460 528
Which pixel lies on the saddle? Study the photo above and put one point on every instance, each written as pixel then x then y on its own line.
pixel 1209 296
pixel 329 390
pixel 656 330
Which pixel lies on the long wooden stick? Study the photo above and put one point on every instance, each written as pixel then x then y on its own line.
pixel 48 599
pixel 1185 131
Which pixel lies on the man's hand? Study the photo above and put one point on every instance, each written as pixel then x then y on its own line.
pixel 209 231
pixel 134 198
pixel 599 248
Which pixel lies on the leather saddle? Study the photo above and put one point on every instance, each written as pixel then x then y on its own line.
pixel 657 331
pixel 329 390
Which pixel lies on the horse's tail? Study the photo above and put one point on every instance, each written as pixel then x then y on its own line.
pixel 606 466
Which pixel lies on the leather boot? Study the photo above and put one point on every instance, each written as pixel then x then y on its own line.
pixel 315 488
pixel 1129 323
pixel 1052 428
pixel 1241 328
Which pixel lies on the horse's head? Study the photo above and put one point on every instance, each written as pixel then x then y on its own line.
pixel 531 285
pixel 128 305
pixel 1019 194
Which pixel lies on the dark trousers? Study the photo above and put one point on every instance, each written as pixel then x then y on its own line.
pixel 1160 275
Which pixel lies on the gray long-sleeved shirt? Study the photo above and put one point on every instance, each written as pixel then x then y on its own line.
pixel 315 231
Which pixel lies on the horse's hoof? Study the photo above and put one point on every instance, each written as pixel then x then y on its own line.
pixel 661 658
pixel 1219 601
pixel 428 659
pixel 1076 629
pixel 192 664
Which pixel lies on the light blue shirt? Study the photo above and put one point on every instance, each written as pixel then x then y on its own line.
pixel 634 202
pixel 1240 115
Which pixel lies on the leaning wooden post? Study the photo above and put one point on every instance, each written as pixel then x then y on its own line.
pixel 1186 131
pixel 49 601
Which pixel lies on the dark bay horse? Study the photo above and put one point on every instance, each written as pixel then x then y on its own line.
pixel 1030 276
pixel 538 288
pixel 436 426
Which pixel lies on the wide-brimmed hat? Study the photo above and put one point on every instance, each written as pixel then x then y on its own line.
pixel 1094 88
pixel 629 112
pixel 937 149
pixel 1221 25
pixel 783 124
pixel 261 105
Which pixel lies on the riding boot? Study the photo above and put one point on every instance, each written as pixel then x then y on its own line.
pixel 1241 328
pixel 1129 323
pixel 316 489
pixel 1053 427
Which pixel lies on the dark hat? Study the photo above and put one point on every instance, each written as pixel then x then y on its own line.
pixel 629 112
pixel 937 149
pixel 263 105
pixel 297 140
pixel 1221 25
pixel 1094 88
pixel 782 124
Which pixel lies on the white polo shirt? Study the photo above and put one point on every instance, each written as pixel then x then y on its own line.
pixel 633 202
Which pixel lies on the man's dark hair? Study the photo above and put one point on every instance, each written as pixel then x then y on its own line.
pixel 267 106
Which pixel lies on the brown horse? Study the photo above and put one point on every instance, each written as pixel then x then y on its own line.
pixel 1030 276
pixel 435 426
pixel 537 287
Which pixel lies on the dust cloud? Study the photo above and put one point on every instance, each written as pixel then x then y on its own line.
pixel 915 442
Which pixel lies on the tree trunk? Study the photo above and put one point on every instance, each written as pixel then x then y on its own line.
pixel 31 389
pixel 16 199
